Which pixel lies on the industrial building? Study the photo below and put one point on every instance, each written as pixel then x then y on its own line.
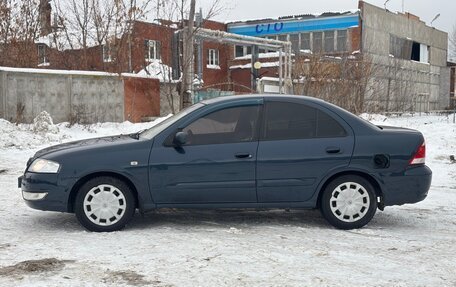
pixel 409 58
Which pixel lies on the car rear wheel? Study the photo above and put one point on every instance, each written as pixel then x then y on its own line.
pixel 104 204
pixel 348 202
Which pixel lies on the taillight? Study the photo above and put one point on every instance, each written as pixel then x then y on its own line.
pixel 420 155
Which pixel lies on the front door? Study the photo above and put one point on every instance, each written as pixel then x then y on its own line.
pixel 217 164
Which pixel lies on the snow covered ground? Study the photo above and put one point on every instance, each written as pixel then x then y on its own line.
pixel 411 245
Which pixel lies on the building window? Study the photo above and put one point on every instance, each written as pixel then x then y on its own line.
pixel 43 59
pixel 238 51
pixel 213 57
pixel 317 42
pixel 342 40
pixel 282 38
pixel 241 51
pixel 305 42
pixel 107 53
pixel 329 41
pixel 152 50
pixel 294 39
pixel 408 50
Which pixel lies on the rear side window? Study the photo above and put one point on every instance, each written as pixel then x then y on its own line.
pixel 231 125
pixel 285 121
pixel 328 127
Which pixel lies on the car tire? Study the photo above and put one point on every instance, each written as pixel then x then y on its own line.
pixel 348 202
pixel 104 204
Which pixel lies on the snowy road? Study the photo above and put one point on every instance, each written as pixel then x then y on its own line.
pixel 412 245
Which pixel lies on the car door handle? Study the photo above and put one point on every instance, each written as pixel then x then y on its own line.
pixel 333 149
pixel 243 155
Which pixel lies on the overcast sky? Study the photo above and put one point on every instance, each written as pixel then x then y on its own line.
pixel 255 9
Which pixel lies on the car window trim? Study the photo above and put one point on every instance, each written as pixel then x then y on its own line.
pixel 168 141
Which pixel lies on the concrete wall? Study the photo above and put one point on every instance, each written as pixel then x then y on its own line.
pixel 67 97
pixel 399 84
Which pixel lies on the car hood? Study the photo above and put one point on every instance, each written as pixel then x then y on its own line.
pixel 88 143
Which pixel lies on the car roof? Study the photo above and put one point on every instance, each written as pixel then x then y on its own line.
pixel 260 96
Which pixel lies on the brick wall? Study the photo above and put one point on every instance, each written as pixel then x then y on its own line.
pixel 142 98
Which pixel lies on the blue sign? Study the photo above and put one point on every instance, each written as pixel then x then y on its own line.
pixel 295 26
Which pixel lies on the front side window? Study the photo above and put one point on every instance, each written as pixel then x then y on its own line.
pixel 287 121
pixel 152 50
pixel 231 125
pixel 213 57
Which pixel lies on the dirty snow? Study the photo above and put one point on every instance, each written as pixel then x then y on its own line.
pixel 411 245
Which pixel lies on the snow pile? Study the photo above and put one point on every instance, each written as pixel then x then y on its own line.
pixel 157 70
pixel 43 124
pixel 24 136
pixel 44 133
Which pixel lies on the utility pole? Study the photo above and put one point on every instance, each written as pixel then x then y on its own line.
pixel 188 59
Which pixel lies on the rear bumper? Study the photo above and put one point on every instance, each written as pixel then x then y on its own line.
pixel 409 187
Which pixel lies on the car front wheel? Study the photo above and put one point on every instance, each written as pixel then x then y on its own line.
pixel 104 204
pixel 348 202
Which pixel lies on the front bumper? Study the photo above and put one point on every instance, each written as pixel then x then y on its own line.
pixel 42 191
pixel 409 187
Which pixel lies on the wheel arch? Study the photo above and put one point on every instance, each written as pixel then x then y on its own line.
pixel 86 178
pixel 368 177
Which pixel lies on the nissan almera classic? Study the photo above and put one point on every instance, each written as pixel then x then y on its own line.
pixel 252 151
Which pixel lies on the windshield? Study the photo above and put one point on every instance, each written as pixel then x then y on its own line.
pixel 158 128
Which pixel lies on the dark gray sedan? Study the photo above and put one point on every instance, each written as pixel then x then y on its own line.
pixel 251 151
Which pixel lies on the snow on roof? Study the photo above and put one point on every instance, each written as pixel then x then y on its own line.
pixel 262 56
pixel 249 65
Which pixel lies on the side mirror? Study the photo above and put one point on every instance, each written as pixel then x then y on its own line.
pixel 180 138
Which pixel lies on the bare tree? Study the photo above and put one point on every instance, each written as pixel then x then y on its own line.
pixel 452 39
pixel 19 28
pixel 5 20
pixel 339 80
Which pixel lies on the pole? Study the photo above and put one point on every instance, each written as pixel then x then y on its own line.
pixel 188 59
pixel 280 72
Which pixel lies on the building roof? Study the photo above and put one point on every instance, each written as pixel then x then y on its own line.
pixel 297 17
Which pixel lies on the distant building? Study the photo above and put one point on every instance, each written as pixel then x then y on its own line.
pixel 409 57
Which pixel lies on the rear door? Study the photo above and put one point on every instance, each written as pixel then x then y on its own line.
pixel 299 145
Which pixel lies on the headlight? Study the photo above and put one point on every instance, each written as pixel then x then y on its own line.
pixel 44 166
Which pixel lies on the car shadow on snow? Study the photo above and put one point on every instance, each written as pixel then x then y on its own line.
pixel 227 218
pixel 237 218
